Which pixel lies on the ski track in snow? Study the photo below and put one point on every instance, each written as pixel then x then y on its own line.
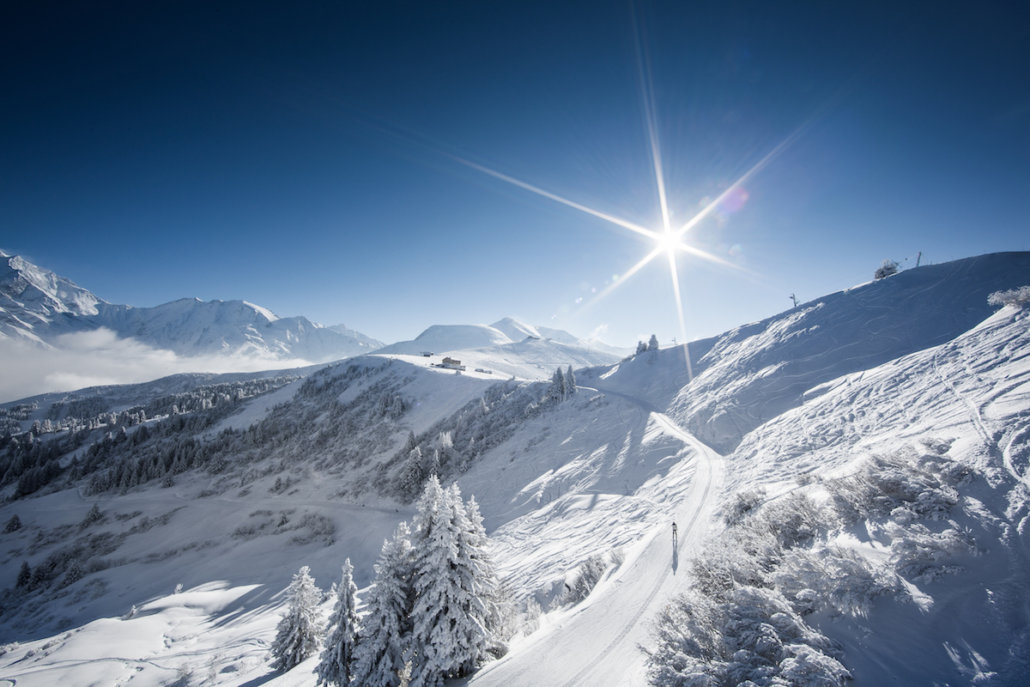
pixel 598 642
pixel 977 420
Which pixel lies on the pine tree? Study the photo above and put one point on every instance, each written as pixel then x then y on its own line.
pixel 641 347
pixel 24 575
pixel 570 381
pixel 337 656
pixel 449 633
pixel 487 585
pixel 652 344
pixel 556 391
pixel 381 652
pixel 13 525
pixel 299 630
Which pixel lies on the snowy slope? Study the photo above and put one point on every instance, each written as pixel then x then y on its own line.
pixel 756 372
pixel 971 395
pixel 507 347
pixel 443 338
pixel 39 306
pixel 918 360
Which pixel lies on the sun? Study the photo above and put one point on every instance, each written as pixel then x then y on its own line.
pixel 667 241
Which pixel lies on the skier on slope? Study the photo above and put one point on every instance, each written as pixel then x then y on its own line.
pixel 673 530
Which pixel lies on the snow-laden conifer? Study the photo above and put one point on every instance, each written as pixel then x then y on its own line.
pixel 557 391
pixel 381 650
pixel 449 620
pixel 338 653
pixel 487 585
pixel 300 629
pixel 570 381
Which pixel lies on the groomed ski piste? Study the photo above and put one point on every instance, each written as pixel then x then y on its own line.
pixel 608 472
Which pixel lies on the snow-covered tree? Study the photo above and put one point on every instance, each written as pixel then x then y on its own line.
pixel 570 381
pixel 886 269
pixel 488 586
pixel 652 343
pixel 641 347
pixel 557 391
pixel 338 653
pixel 450 632
pixel 13 525
pixel 381 650
pixel 299 630
pixel 24 575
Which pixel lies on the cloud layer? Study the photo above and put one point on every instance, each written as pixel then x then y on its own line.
pixel 100 357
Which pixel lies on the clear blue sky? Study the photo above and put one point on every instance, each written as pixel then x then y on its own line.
pixel 301 155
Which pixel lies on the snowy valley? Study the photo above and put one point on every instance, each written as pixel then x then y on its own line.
pixel 848 483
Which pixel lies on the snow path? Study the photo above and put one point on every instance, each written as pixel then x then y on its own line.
pixel 597 642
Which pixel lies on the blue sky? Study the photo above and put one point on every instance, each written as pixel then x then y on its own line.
pixel 307 156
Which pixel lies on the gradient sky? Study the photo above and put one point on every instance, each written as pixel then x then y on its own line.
pixel 306 156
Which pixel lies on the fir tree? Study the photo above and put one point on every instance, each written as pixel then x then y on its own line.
pixel 381 653
pixel 652 344
pixel 449 633
pixel 641 347
pixel 570 381
pixel 24 575
pixel 13 525
pixel 473 541
pixel 299 630
pixel 556 391
pixel 335 667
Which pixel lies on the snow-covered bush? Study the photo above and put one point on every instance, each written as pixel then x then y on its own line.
pixel 796 520
pixel 753 636
pixel 1017 297
pixel 587 577
pixel 923 555
pixel 832 578
pixel 887 268
pixel 780 561
pixel 742 504
pixel 885 483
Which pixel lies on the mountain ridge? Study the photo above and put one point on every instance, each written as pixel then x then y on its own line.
pixel 39 306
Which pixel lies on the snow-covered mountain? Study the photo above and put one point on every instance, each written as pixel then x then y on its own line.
pixel 39 306
pixel 849 481
pixel 510 347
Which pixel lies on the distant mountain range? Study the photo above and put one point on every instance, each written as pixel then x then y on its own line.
pixel 39 306
pixel 44 310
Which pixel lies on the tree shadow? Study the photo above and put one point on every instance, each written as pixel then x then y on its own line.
pixel 260 680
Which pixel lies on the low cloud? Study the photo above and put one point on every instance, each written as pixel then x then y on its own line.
pixel 100 357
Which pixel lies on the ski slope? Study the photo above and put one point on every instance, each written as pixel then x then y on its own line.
pixel 596 642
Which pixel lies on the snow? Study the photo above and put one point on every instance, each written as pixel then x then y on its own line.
pixel 913 365
pixel 40 307
pixel 264 312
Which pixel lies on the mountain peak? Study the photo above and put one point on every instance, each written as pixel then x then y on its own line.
pixel 516 330
pixel 39 292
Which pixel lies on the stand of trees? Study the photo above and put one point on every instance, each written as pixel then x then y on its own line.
pixel 435 612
